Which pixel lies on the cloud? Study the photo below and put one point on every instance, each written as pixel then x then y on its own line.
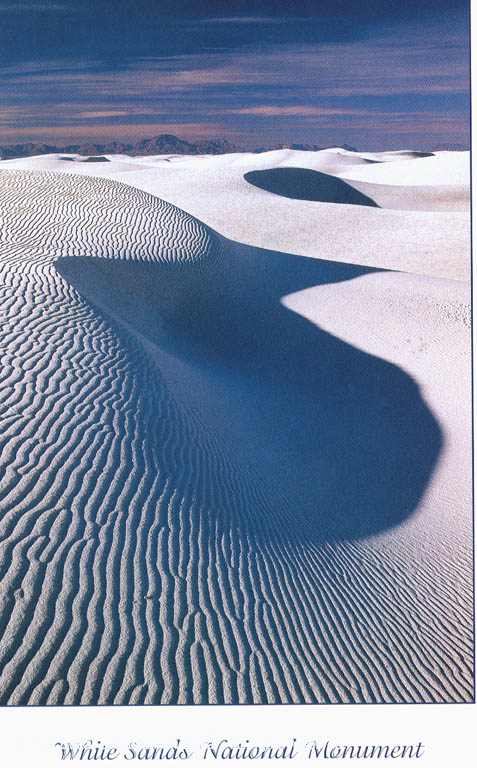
pixel 353 86
pixel 32 7
pixel 67 134
pixel 293 111
pixel 92 115
pixel 22 117
pixel 247 20
pixel 344 71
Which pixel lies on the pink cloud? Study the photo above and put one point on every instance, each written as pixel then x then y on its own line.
pixel 92 115
pixel 74 133
pixel 298 111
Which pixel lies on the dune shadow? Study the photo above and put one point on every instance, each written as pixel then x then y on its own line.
pixel 414 154
pixel 306 184
pixel 341 439
pixel 90 159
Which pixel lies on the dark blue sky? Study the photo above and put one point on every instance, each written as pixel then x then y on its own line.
pixel 376 74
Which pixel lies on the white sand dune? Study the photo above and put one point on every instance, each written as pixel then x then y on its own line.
pixel 442 168
pixel 236 463
pixel 214 190
pixel 70 163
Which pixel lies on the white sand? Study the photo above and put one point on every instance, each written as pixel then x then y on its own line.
pixel 236 462
pixel 443 168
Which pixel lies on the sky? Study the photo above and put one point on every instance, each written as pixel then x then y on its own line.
pixel 372 74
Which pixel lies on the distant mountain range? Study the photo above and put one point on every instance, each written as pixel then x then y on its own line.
pixel 165 144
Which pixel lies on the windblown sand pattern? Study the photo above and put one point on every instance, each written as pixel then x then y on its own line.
pixel 146 558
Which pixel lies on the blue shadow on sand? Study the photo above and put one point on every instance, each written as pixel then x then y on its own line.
pixel 306 184
pixel 341 439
